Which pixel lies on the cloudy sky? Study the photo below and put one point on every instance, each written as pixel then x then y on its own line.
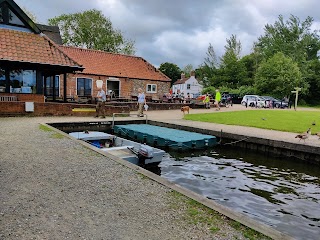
pixel 179 31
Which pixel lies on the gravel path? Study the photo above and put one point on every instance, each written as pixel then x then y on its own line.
pixel 55 188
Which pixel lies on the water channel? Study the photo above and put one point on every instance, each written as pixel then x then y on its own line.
pixel 283 193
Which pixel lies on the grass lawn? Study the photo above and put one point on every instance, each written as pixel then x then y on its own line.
pixel 287 121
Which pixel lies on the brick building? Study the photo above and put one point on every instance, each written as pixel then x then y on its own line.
pixel 33 65
pixel 121 74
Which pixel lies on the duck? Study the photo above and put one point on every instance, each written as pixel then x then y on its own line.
pixel 304 135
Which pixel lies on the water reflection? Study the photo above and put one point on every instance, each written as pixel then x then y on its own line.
pixel 280 192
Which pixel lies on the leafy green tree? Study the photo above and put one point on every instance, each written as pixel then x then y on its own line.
pixel 91 29
pixel 206 71
pixel 279 76
pixel 313 78
pixel 187 70
pixel 232 71
pixel 293 38
pixel 171 70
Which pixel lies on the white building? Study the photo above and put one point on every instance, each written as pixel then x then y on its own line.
pixel 187 85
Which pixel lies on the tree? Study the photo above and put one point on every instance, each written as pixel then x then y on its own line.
pixel 31 15
pixel 232 71
pixel 248 62
pixel 171 70
pixel 187 70
pixel 91 29
pixel 279 76
pixel 206 72
pixel 233 46
pixel 293 38
pixel 313 78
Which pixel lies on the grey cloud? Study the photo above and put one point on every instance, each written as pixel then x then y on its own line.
pixel 179 31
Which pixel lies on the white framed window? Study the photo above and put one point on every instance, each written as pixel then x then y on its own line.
pixel 151 88
pixel 188 86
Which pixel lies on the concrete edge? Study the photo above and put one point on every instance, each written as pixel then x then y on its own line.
pixel 236 216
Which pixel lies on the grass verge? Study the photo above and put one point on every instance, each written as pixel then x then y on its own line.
pixel 287 121
pixel 198 214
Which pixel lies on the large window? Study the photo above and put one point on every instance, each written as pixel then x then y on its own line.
pixel 21 81
pixel 84 86
pixel 151 88
pixel 49 85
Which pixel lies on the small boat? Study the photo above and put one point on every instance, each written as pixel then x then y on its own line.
pixel 134 152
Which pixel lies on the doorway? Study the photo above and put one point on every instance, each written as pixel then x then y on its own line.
pixel 113 88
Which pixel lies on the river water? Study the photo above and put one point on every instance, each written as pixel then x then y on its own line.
pixel 283 193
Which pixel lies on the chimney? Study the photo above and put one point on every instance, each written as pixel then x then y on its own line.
pixel 183 76
pixel 193 73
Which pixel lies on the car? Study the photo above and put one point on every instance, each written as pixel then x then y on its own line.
pixel 253 101
pixel 231 97
pixel 272 102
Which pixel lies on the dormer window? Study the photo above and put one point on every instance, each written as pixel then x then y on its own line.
pixel 14 20
pixel 8 17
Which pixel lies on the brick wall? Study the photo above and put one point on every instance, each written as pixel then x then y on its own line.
pixel 25 97
pixel 162 87
pixel 127 86
pixel 55 109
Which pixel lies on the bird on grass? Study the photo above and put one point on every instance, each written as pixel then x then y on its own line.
pixel 313 123
pixel 304 135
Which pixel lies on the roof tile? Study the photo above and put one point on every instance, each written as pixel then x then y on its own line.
pixel 114 65
pixel 31 48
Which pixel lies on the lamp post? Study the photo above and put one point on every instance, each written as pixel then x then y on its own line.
pixel 297 89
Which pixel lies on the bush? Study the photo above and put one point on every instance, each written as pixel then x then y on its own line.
pixel 210 90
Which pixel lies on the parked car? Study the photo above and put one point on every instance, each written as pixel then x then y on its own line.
pixel 253 101
pixel 231 97
pixel 272 102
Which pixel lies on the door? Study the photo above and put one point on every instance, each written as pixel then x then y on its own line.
pixel 114 86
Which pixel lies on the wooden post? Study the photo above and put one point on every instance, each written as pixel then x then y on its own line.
pixel 297 89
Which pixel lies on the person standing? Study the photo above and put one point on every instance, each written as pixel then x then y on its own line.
pixel 206 101
pixel 217 99
pixel 101 102
pixel 141 102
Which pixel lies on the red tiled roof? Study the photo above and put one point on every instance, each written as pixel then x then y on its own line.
pixel 114 65
pixel 31 48
pixel 180 81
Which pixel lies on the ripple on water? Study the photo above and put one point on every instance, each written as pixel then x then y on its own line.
pixel 281 193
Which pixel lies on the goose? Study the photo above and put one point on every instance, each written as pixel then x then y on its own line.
pixel 304 135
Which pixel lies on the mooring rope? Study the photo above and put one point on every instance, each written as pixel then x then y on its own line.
pixel 236 141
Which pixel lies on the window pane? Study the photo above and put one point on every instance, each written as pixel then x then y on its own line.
pixel 13 19
pixel 2 81
pixel 154 88
pixel 1 18
pixel 84 86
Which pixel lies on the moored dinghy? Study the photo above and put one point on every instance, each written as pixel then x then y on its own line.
pixel 131 151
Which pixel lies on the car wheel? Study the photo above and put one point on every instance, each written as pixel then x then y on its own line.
pixel 277 105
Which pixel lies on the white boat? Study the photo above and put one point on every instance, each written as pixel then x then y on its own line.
pixel 131 151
